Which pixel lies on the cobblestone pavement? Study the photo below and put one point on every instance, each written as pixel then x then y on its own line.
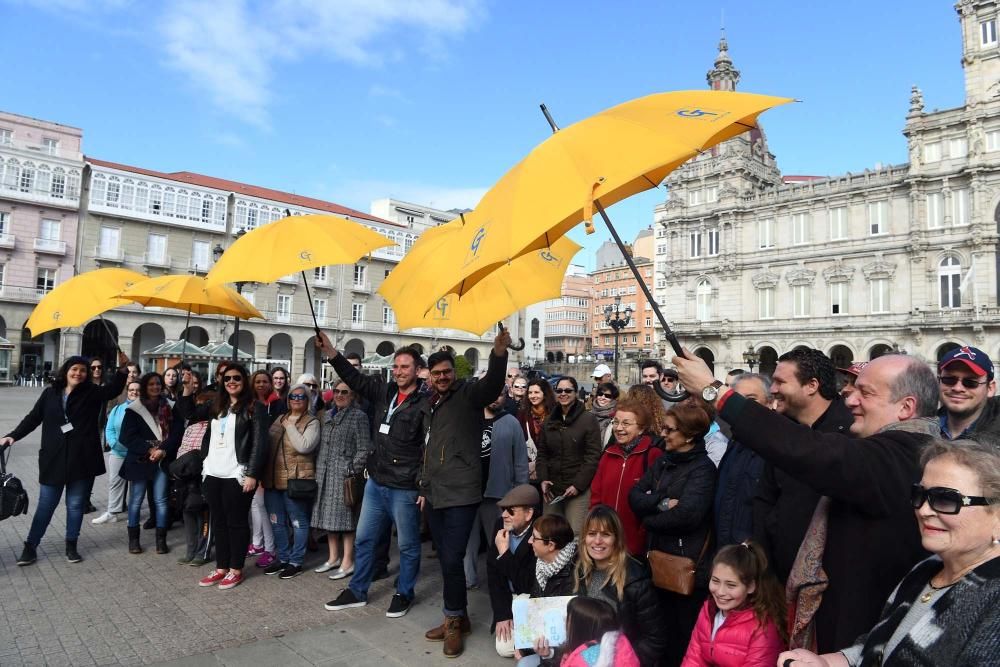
pixel 120 609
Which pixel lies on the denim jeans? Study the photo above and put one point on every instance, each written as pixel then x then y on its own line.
pixel 137 493
pixel 281 509
pixel 450 528
pixel 77 494
pixel 383 506
pixel 486 517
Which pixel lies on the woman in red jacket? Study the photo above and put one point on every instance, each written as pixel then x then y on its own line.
pixel 742 623
pixel 623 464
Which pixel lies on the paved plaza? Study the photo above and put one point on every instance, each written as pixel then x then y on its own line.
pixel 120 609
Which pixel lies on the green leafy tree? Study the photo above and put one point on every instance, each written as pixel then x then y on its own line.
pixel 463 369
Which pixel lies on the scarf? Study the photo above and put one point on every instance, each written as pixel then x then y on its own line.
pixel 544 571
pixel 537 418
pixel 628 447
pixel 605 412
pixel 160 411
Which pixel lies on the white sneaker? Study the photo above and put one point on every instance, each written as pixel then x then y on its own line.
pixel 327 566
pixel 107 517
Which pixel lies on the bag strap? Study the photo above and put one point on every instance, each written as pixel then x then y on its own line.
pixel 284 460
pixel 704 548
pixel 4 455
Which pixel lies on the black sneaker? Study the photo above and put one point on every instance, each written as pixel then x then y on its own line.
pixel 290 572
pixel 28 555
pixel 276 568
pixel 399 606
pixel 90 509
pixel 345 600
pixel 72 555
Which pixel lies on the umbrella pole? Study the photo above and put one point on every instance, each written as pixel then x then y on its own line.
pixel 312 310
pixel 185 334
pixel 667 332
pixel 107 328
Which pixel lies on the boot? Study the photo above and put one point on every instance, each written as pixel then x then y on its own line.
pixel 438 634
pixel 28 555
pixel 72 555
pixel 161 541
pixel 454 644
pixel 133 540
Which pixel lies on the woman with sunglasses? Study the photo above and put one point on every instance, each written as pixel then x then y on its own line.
pixel 539 403
pixel 291 456
pixel 235 448
pixel 518 392
pixel 603 407
pixel 568 453
pixel 946 611
pixel 346 442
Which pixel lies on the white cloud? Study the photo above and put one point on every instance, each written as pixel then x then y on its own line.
pixel 359 194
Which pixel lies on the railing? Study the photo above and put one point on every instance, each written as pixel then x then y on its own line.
pixel 109 254
pixel 291 279
pixel 360 287
pixel 198 267
pixel 6 240
pixel 156 260
pixel 50 246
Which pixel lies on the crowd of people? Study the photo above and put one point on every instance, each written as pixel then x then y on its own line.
pixel 813 516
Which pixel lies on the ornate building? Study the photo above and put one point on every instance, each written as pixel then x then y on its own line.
pixel 898 257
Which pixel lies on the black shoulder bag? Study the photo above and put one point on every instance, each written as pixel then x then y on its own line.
pixel 13 497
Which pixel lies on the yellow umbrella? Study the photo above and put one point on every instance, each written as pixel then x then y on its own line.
pixel 190 293
pixel 530 278
pixel 424 253
pixel 81 298
pixel 589 165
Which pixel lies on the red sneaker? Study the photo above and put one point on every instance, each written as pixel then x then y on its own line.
pixel 231 580
pixel 213 578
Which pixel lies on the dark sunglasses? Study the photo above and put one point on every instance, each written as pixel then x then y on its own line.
pixel 310 384
pixel 232 378
pixel 565 391
pixel 341 392
pixel 968 383
pixel 96 367
pixel 944 500
pixel 296 397
pixel 508 510
pixel 605 394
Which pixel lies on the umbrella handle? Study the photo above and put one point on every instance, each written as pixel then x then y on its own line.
pixel 517 347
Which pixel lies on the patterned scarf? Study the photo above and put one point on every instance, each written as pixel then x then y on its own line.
pixel 544 571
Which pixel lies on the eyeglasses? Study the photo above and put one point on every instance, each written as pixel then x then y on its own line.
pixel 508 510
pixel 539 538
pixel 520 386
pixel 565 391
pixel 342 392
pixel 232 378
pixel 96 367
pixel 312 385
pixel 297 397
pixel 627 424
pixel 670 429
pixel 605 394
pixel 441 374
pixel 512 375
pixel 968 383
pixel 944 500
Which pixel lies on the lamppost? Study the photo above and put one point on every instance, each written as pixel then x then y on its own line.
pixel 217 252
pixel 537 347
pixel 750 357
pixel 613 318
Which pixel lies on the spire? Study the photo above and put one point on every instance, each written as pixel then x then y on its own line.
pixel 723 76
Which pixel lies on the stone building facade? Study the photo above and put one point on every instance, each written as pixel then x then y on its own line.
pixel 897 257
pixel 568 318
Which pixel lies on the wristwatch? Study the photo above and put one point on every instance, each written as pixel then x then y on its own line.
pixel 711 392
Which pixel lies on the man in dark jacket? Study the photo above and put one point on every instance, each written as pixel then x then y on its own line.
pixel 451 478
pixel 871 539
pixel 401 418
pixel 510 561
pixel 968 402
pixel 804 387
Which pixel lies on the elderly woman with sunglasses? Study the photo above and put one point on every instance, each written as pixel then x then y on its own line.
pixel 946 611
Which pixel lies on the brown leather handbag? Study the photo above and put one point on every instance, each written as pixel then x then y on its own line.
pixel 354 488
pixel 675 573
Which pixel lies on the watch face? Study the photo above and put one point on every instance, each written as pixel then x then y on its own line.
pixel 709 393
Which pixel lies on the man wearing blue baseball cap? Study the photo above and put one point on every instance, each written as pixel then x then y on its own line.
pixel 968 404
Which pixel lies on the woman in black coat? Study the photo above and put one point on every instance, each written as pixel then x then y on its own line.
pixel 151 431
pixel 71 455
pixel 606 571
pixel 674 502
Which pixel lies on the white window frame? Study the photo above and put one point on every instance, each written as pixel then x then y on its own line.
pixel 201 259
pixel 949 283
pixel 357 313
pixel 988 33
pixel 935 210
pixel 801 301
pixel 838 223
pixel 712 243
pixel 47 277
pixel 319 307
pixel 283 308
pixel 993 140
pixel 156 242
pixel 765 233
pixel 695 246
pixel 839 299
pixel 109 240
pixel 960 207
pixel 765 303
pixel 800 228
pixel 703 301
pixel 932 151
pixel 879 296
pixel 50 229
pixel 958 148
pixel 359 275
pixel 320 275
pixel 878 218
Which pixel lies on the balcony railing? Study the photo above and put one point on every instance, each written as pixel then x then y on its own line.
pixel 109 254
pixel 6 240
pixel 155 260
pixel 291 279
pixel 52 246
pixel 361 287
pixel 357 325
pixel 199 266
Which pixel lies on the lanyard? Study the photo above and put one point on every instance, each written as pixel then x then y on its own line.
pixel 65 400
pixel 393 406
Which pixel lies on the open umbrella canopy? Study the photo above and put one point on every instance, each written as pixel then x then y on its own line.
pixel 293 244
pixel 81 298
pixel 191 294
pixel 426 254
pixel 530 278
pixel 605 158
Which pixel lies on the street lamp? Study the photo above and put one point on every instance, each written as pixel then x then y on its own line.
pixel 613 318
pixel 217 253
pixel 537 346
pixel 750 357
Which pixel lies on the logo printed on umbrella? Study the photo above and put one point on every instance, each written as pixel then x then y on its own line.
pixel 56 315
pixel 442 307
pixel 305 255
pixel 547 256
pixel 699 113
pixel 477 239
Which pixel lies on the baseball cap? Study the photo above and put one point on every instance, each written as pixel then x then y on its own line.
pixel 972 357
pixel 522 495
pixel 854 369
pixel 601 371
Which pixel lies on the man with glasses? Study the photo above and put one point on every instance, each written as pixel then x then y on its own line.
pixel 968 394
pixel 510 561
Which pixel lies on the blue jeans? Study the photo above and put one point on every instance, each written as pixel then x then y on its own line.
pixel 281 509
pixel 137 493
pixel 77 494
pixel 382 506
pixel 450 529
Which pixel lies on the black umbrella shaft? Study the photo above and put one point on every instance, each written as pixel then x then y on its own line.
pixel 312 309
pixel 667 332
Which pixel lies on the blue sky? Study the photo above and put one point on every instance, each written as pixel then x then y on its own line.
pixel 433 100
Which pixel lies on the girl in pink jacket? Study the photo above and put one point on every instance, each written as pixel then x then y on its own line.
pixel 742 623
pixel 593 639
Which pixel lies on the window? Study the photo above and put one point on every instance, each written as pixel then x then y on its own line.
pixel 993 140
pixel 932 152
pixel 389 317
pixel 765 303
pixel 156 248
pixel 713 246
pixel 49 230
pixel 58 187
pixel 6 137
pixel 182 204
pixel 765 233
pixel 357 313
pixel 880 295
pixel 694 197
pixel 128 195
pixel 200 254
pixel 695 244
pixel 935 216
pixel 988 32
pixel 284 308
pixel 114 192
pixel 711 194
pixel 156 200
pixel 4 222
pixel 800 228
pixel 703 296
pixel 110 241
pixel 878 217
pixel 649 338
pixel 252 217
pixel 408 243
pixel 950 279
pixel 960 206
pixel 251 297
pixel 319 275
pixel 649 321
pixel 958 148
pixel 800 301
pixel 359 275
pixel 45 280
pixel 206 210
pixel 661 248
pixel 535 325
pixel 838 298
pixel 838 223
pixel 319 307
pixel 27 181
pixel 50 146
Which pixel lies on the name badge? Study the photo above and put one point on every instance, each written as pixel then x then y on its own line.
pixel 383 428
pixel 66 428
